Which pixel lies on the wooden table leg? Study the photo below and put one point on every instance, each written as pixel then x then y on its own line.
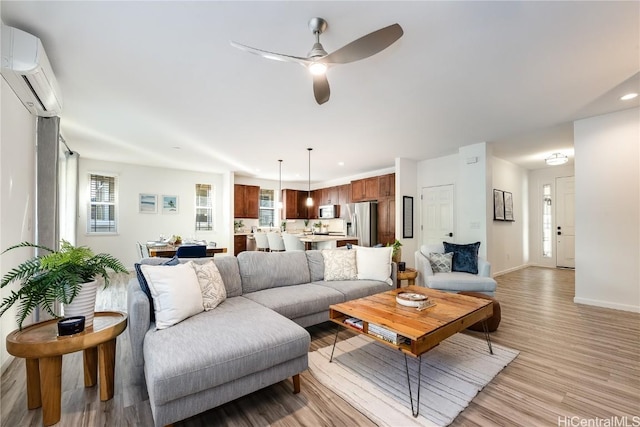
pixel 412 282
pixel 34 399
pixel 51 383
pixel 90 357
pixel 107 364
pixel 296 384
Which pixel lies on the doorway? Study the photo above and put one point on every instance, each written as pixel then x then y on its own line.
pixel 565 222
pixel 438 214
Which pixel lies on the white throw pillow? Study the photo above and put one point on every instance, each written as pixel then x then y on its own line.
pixel 374 263
pixel 211 284
pixel 339 264
pixel 175 291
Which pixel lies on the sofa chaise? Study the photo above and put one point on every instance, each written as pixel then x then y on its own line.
pixel 253 339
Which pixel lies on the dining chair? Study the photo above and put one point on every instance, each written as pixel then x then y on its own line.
pixel 143 251
pixel 192 251
pixel 262 243
pixel 292 242
pixel 276 244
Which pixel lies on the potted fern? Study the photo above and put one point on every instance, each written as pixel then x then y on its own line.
pixel 64 275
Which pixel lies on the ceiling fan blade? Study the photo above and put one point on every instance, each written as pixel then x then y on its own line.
pixel 271 55
pixel 365 46
pixel 321 88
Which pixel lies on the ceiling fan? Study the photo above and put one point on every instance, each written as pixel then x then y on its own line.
pixel 318 60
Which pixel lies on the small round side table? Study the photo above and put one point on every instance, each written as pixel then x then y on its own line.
pixel 40 345
pixel 409 274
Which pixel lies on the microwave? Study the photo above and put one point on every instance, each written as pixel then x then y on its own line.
pixel 328 211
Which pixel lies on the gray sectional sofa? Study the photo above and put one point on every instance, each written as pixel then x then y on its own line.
pixel 253 339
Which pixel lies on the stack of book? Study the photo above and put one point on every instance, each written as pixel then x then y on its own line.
pixel 352 321
pixel 386 334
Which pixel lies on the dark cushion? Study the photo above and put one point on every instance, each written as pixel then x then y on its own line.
pixel 145 286
pixel 492 322
pixel 465 257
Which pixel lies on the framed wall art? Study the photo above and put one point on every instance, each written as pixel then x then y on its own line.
pixel 148 203
pixel 169 204
pixel 407 217
pixel 508 206
pixel 498 205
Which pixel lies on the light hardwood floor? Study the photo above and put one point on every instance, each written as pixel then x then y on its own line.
pixel 575 361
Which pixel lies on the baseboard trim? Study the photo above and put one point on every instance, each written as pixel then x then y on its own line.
pixel 509 270
pixel 607 304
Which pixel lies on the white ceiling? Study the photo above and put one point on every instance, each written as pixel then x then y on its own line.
pixel 141 78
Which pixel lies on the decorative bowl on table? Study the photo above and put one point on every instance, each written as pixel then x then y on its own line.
pixel 411 299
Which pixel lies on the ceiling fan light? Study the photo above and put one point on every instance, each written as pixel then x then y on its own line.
pixel 317 68
pixel 556 159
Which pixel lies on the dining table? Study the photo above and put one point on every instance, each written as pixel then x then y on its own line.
pixel 169 250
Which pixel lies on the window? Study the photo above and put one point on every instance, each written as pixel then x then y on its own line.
pixel 101 217
pixel 204 207
pixel 547 219
pixel 266 211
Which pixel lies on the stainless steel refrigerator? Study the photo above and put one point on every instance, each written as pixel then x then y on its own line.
pixel 364 222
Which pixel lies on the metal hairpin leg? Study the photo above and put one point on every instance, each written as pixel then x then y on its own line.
pixel 334 343
pixel 485 327
pixel 406 364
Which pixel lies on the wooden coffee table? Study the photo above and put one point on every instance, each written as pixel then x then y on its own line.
pixel 423 329
pixel 40 345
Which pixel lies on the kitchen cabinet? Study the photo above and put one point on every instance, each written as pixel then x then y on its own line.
pixel 239 244
pixel 387 185
pixel 363 190
pixel 345 242
pixel 386 220
pixel 245 201
pixel 294 204
pixel 344 194
pixel 330 196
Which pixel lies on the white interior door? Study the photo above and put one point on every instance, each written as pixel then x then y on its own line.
pixel 565 222
pixel 437 214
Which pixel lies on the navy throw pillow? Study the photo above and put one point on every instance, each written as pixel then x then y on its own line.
pixel 465 257
pixel 145 286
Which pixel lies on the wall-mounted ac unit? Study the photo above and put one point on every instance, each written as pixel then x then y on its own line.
pixel 27 70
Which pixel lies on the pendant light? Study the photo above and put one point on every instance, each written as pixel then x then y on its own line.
pixel 309 199
pixel 279 198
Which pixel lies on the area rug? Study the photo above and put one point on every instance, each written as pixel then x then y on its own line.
pixel 372 377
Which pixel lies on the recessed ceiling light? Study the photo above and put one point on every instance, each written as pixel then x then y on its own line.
pixel 340 163
pixel 176 148
pixel 628 96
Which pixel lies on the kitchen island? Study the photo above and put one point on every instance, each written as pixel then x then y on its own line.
pixel 320 241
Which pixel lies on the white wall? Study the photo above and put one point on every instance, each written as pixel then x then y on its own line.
pixel 607 151
pixel 406 178
pixel 17 195
pixel 472 196
pixel 538 178
pixel 469 179
pixel 134 226
pixel 509 243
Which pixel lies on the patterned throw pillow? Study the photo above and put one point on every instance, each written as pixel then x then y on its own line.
pixel 465 257
pixel 440 263
pixel 211 284
pixel 339 265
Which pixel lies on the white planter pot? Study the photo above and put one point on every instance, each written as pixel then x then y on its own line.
pixel 84 304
